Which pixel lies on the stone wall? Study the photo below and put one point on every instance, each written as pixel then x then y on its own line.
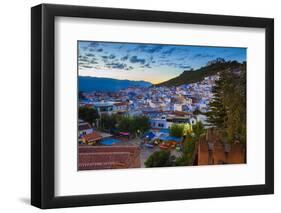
pixel 212 151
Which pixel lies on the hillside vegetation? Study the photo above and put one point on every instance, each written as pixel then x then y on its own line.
pixel 192 76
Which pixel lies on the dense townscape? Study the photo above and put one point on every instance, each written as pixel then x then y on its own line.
pixel 144 105
pixel 162 105
pixel 155 126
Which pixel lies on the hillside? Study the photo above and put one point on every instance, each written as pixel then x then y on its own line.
pixel 89 84
pixel 192 76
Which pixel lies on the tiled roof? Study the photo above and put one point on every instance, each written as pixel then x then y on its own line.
pixel 92 137
pixel 120 104
pixel 94 149
pixel 104 158
pixel 84 126
pixel 91 166
pixel 107 157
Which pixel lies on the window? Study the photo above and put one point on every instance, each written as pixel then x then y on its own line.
pixel 160 125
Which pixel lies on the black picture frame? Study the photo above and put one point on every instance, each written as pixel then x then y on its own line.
pixel 43 102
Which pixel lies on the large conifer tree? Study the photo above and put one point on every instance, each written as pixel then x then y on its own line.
pixel 227 110
pixel 216 116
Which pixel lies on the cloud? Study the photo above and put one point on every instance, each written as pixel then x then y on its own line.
pixel 182 66
pixel 95 49
pixel 90 55
pixel 124 58
pixel 169 50
pixel 201 55
pixel 116 65
pixel 93 61
pixel 111 56
pixel 151 60
pixel 153 48
pixel 147 65
pixel 105 58
pixel 94 44
pixel 181 58
pixel 85 66
pixel 170 64
pixel 119 66
pixel 135 59
pixel 83 58
pixel 148 48
pixel 129 68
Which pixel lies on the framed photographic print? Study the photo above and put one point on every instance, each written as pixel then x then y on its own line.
pixel 139 106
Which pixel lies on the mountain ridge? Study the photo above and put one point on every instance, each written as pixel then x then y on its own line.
pixel 193 76
pixel 89 84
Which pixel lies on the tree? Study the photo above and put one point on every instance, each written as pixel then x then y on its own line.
pixel 125 124
pixel 140 123
pixel 177 130
pixel 228 108
pixel 109 122
pixel 197 112
pixel 88 114
pixel 235 101
pixel 216 116
pixel 133 124
pixel 198 129
pixel 188 150
pixel 160 159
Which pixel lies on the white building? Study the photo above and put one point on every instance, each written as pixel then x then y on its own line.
pixel 159 123
pixel 84 128
pixel 176 107
pixel 121 106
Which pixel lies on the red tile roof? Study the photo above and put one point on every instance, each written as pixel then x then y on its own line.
pixel 121 104
pixel 94 136
pixel 181 113
pixel 94 149
pixel 103 157
pixel 84 126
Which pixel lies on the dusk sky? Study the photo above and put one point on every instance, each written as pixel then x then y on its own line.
pixel 154 63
